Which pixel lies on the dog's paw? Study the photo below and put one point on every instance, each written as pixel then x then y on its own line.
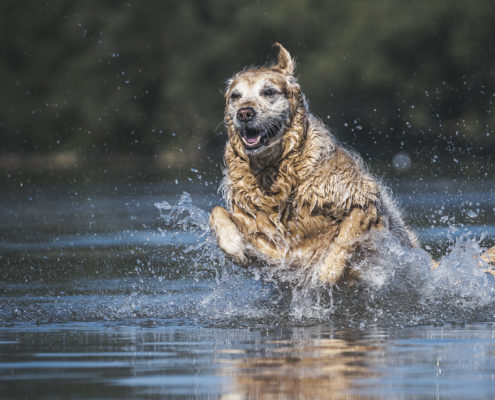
pixel 239 258
pixel 328 277
pixel 229 238
pixel 333 268
pixel 233 245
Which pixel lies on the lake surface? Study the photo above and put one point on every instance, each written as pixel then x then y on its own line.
pixel 116 291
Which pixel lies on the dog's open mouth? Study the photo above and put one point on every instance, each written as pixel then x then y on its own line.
pixel 254 138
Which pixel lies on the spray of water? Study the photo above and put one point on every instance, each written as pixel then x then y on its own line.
pixel 397 285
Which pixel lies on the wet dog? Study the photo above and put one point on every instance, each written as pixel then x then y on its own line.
pixel 294 195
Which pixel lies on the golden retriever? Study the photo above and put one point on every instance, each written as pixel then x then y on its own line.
pixel 294 195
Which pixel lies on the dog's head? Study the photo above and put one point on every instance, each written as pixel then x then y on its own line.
pixel 261 104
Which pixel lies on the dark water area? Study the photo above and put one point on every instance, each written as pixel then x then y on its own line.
pixel 115 291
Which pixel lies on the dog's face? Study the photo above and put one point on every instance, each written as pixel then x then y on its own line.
pixel 260 103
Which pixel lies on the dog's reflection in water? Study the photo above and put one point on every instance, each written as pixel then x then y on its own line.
pixel 307 369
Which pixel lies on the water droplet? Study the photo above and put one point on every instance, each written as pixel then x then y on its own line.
pixel 401 162
pixel 472 214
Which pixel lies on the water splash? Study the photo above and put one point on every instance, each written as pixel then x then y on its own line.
pixel 185 217
pixel 397 285
pixel 184 278
pixel 460 278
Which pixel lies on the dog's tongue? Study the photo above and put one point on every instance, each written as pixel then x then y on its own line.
pixel 252 140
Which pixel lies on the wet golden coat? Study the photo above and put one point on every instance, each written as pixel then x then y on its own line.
pixel 302 201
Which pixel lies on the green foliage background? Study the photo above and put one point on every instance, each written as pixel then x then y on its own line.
pixel 146 77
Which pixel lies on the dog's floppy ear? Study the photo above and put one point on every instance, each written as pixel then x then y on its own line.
pixel 285 63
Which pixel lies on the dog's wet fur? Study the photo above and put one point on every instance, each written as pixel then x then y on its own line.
pixel 294 195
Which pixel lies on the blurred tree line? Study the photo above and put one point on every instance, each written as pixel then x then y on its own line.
pixel 146 77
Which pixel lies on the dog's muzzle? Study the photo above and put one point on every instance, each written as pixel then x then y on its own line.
pixel 254 135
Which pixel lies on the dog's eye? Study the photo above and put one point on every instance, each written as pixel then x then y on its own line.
pixel 234 95
pixel 269 92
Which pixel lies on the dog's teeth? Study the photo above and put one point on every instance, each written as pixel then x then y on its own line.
pixel 251 141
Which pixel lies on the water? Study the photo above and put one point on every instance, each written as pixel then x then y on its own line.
pixel 121 292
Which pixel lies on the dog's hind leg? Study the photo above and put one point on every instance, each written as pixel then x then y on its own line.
pixel 352 227
pixel 487 256
pixel 229 238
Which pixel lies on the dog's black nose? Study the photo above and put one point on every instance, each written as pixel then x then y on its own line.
pixel 245 114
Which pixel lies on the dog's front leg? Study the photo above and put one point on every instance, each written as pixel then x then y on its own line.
pixel 353 225
pixel 229 238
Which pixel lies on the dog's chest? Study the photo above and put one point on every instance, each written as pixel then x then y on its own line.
pixel 269 195
pixel 276 210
